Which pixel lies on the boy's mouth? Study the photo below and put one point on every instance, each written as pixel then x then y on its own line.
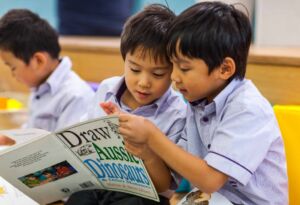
pixel 182 90
pixel 142 94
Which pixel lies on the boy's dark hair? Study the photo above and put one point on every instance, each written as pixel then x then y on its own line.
pixel 148 30
pixel 212 31
pixel 24 33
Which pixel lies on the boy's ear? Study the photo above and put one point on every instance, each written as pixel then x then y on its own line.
pixel 40 60
pixel 227 68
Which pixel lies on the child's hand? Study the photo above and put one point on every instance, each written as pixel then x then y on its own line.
pixel 141 151
pixel 4 140
pixel 136 129
pixel 110 108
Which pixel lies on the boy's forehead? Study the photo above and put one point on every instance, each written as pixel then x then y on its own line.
pixel 7 54
pixel 180 58
pixel 147 57
pixel 177 55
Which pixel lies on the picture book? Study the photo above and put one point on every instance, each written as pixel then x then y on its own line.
pixel 90 155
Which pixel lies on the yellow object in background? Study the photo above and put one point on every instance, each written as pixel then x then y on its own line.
pixel 2 191
pixel 3 103
pixel 288 118
pixel 13 104
pixel 10 104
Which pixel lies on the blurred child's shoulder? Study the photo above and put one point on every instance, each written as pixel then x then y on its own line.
pixel 110 83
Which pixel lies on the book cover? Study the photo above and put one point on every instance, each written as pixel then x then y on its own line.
pixel 88 155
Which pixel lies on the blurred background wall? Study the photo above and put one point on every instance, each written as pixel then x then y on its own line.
pixel 275 22
pixel 48 8
pixel 45 8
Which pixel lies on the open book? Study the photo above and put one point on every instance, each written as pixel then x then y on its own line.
pixel 195 196
pixel 89 155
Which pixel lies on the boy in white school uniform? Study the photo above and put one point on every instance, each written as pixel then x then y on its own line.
pixel 30 47
pixel 231 141
pixel 143 90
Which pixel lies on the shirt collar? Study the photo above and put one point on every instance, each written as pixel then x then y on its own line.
pixel 57 77
pixel 162 100
pixel 117 90
pixel 221 98
pixel 59 74
pixel 219 101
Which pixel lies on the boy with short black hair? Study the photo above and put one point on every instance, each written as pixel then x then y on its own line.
pixel 231 141
pixel 30 47
pixel 143 90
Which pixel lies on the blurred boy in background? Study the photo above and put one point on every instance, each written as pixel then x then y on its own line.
pixel 29 47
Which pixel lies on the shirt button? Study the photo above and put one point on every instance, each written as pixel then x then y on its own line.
pixel 233 184
pixel 205 119
pixel 37 97
pixel 208 146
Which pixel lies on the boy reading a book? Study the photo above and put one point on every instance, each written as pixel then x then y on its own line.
pixel 30 47
pixel 231 142
pixel 143 90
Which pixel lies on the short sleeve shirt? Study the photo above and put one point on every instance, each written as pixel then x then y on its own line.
pixel 60 101
pixel 238 135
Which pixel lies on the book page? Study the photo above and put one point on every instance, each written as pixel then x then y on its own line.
pixel 88 155
pixel 100 147
pixel 215 199
pixel 45 170
pixel 9 195
pixel 23 135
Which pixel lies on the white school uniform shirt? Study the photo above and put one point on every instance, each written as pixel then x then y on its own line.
pixel 238 135
pixel 60 101
pixel 167 113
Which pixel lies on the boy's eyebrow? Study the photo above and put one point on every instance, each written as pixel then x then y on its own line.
pixel 156 67
pixel 134 63
pixel 180 60
pixel 6 63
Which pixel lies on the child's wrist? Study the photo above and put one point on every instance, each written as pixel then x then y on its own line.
pixel 154 137
pixel 150 160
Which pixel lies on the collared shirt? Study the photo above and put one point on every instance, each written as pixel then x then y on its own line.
pixel 238 135
pixel 60 101
pixel 167 113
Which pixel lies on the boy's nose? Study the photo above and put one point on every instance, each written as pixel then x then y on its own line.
pixel 174 77
pixel 144 83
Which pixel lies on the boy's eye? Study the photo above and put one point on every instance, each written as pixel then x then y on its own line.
pixel 159 74
pixel 185 69
pixel 135 70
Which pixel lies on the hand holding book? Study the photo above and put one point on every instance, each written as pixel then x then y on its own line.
pixel 6 141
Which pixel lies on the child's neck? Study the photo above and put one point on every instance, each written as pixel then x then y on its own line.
pixel 218 90
pixel 129 100
pixel 49 69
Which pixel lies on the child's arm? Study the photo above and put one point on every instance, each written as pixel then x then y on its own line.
pixel 137 129
pixel 156 168
pixel 4 140
pixel 158 171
